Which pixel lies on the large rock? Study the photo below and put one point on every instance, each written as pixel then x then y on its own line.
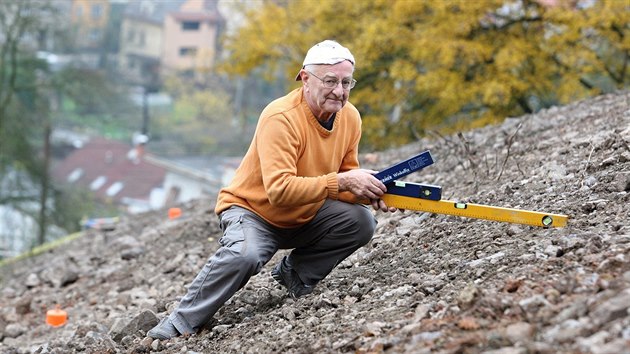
pixel 138 325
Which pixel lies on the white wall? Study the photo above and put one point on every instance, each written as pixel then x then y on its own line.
pixel 189 188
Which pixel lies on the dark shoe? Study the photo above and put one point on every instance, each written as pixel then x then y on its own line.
pixel 164 330
pixel 287 277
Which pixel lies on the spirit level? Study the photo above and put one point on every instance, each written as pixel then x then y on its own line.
pixel 427 198
pixel 476 211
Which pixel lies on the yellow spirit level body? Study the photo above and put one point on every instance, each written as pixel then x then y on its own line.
pixel 476 211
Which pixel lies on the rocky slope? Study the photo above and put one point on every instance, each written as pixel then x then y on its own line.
pixel 425 284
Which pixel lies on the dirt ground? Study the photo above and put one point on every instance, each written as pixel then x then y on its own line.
pixel 426 283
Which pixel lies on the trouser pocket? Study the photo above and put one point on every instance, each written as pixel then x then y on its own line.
pixel 232 226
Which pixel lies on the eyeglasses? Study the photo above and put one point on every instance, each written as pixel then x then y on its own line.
pixel 330 82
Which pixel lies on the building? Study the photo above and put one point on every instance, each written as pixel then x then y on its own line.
pixel 127 176
pixel 90 19
pixel 163 36
pixel 193 177
pixel 114 172
pixel 191 36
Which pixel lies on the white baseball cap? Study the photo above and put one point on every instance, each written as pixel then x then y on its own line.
pixel 326 52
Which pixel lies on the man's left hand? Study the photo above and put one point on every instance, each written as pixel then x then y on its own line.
pixel 379 204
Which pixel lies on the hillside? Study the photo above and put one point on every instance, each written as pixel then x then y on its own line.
pixel 425 284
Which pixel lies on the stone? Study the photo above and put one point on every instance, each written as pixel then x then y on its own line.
pixel 141 323
pixel 14 330
pixel 32 281
pixel 519 332
pixel 467 297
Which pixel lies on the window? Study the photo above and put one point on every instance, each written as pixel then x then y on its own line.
pixel 131 35
pixel 98 183
pixel 75 175
pixel 190 26
pixel 78 11
pixel 187 51
pixel 114 189
pixel 97 10
pixel 95 34
pixel 147 7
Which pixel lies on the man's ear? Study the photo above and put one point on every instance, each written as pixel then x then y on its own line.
pixel 304 75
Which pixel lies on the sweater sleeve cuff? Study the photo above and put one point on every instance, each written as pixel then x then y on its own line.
pixel 332 185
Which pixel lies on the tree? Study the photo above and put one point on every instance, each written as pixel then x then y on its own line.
pixel 31 93
pixel 202 120
pixel 23 108
pixel 447 64
pixel 17 19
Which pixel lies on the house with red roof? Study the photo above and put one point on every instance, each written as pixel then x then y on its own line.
pixel 115 172
pixel 138 181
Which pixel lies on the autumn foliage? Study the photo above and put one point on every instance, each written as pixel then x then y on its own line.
pixel 446 65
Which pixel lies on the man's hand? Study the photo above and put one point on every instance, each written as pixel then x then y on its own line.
pixel 363 184
pixel 378 204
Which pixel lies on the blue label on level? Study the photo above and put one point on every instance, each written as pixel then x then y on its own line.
pixel 406 167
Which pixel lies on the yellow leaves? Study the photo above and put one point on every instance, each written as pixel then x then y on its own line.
pixel 495 93
pixel 510 59
pixel 202 106
pixel 570 89
pixel 456 61
pixel 408 11
pixel 204 117
pixel 260 41
pixel 448 54
pixel 378 39
pixel 403 70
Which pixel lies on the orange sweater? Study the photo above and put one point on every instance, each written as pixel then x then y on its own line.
pixel 292 163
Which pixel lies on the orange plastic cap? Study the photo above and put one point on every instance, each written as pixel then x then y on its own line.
pixel 174 213
pixel 56 317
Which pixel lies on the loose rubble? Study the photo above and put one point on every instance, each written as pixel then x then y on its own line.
pixel 425 284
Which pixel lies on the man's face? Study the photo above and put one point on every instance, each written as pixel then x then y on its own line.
pixel 324 101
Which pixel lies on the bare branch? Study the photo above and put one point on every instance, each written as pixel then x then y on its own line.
pixel 415 132
pixel 588 162
pixel 510 141
pixel 469 156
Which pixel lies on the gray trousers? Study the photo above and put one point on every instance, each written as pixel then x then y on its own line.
pixel 249 242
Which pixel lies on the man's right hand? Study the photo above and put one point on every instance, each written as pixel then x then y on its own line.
pixel 362 183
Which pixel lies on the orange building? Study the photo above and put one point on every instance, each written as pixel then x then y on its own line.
pixel 90 19
pixel 191 35
pixel 166 36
